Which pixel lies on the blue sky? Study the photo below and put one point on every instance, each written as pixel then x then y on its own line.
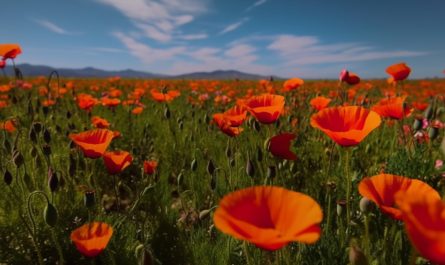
pixel 308 39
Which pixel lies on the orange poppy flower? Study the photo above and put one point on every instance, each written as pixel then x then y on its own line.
pixel 10 51
pixel 93 143
pixel 269 217
pixel 398 71
pixel 110 102
pixel 382 188
pixel 225 125
pixel 117 161
pixel 91 239
pixel 137 110
pixel 394 108
pixel 347 125
pixel 86 101
pixel 8 126
pixel 99 122
pixel 265 108
pixel 292 84
pixel 424 219
pixel 320 103
pixel 164 97
pixel 236 115
pixel 280 144
pixel 150 166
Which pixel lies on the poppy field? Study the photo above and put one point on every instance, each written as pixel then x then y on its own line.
pixel 133 171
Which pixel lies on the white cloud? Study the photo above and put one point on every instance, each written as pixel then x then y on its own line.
pixel 198 36
pixel 52 27
pixel 256 4
pixel 240 50
pixel 159 19
pixel 308 50
pixel 233 26
pixel 146 53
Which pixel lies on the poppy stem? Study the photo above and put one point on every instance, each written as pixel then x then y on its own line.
pixel 246 253
pixel 348 185
pixel 116 193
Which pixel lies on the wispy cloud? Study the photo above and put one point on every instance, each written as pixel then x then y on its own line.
pixel 308 50
pixel 53 27
pixel 160 20
pixel 256 4
pixel 199 36
pixel 233 26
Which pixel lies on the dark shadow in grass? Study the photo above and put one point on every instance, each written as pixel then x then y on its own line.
pixel 168 246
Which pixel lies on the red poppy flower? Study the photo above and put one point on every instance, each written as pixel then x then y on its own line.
pixel 394 108
pixel 424 219
pixel 110 102
pixel 93 143
pixel 10 51
pixel 265 108
pixel 320 103
pixel 91 239
pixel 117 161
pixel 99 122
pixel 280 144
pixel 398 71
pixel 349 77
pixel 8 126
pixel 381 189
pixel 292 84
pixel 2 64
pixel 150 166
pixel 269 217
pixel 420 105
pixel 347 125
pixel 236 115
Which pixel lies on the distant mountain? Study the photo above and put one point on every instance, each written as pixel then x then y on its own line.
pixel 42 70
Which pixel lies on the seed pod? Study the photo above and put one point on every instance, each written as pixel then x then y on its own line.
pixel 210 167
pixel 357 257
pixel 433 132
pixel 271 172
pixel 7 177
pixel 365 205
pixel 53 180
pixel 50 215
pixel 250 170
pixel 89 199
pixel 194 165
pixel 47 136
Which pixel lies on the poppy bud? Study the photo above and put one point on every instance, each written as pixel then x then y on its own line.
pixel 46 148
pixel 45 110
pixel 18 159
pixel 71 126
pixel 50 215
pixel 179 179
pixel 356 256
pixel 365 205
pixel 340 205
pixel 89 199
pixel 206 118
pixel 7 177
pixel 53 180
pixel 232 162
pixel 167 113
pixel 46 136
pixel 277 124
pixel 256 126
pixel 181 125
pixel 428 114
pixel 37 127
pixel 250 170
pixel 68 115
pixel 58 129
pixel 7 145
pixel 259 154
pixel 194 165
pixel 204 213
pixel 433 132
pixel 210 167
pixel 417 125
pixel 213 182
pixel 33 136
pixel 271 172
pixel 30 109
